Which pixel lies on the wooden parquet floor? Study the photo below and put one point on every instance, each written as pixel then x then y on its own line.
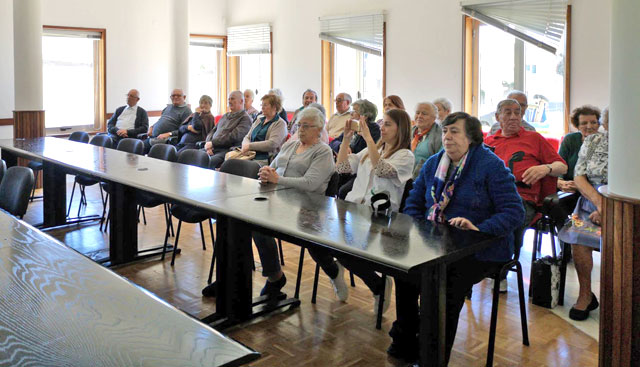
pixel 332 333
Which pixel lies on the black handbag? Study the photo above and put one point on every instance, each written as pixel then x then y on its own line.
pixel 545 281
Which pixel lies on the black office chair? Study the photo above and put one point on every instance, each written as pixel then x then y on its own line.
pixel 37 166
pixel 83 181
pixel 15 188
pixel 129 145
pixel 237 167
pixel 3 169
pixel 146 199
pixel 186 213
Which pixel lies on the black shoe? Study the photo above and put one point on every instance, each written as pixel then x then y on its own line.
pixel 580 315
pixel 272 289
pixel 210 290
pixel 407 352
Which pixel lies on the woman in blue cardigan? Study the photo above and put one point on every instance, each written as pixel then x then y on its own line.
pixel 468 187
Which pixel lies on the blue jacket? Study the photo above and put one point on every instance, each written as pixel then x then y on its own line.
pixel 485 194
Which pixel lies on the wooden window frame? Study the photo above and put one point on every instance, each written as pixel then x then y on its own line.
pixel 223 91
pixel 328 68
pixel 100 80
pixel 471 65
pixel 234 68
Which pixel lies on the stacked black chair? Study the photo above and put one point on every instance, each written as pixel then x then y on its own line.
pixel 186 213
pixel 15 190
pixel 36 166
pixel 3 169
pixel 145 199
pixel 129 145
pixel 83 181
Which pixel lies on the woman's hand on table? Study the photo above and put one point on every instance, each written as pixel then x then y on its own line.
pixel 462 223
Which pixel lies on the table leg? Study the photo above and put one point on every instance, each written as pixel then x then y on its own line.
pixel 233 269
pixel 433 289
pixel 123 230
pixel 54 195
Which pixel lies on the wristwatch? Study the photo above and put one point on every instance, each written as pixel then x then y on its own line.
pixel 550 168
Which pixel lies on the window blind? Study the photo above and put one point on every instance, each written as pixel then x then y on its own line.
pixel 207 42
pixel 71 33
pixel 540 22
pixel 361 32
pixel 249 39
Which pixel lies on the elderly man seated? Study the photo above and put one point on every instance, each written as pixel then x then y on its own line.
pixel 532 160
pixel 128 121
pixel 336 123
pixel 229 131
pixel 522 101
pixel 308 97
pixel 169 123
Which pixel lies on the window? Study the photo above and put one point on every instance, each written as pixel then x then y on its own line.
pixel 353 58
pixel 521 45
pixel 207 71
pixel 250 58
pixel 73 66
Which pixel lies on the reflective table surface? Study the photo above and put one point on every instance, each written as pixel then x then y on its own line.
pixel 58 308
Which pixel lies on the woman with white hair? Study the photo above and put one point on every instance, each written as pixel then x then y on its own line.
pixel 445 106
pixel 324 136
pixel 249 96
pixel 282 113
pixel 426 135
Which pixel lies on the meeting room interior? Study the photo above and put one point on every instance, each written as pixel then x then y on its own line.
pixel 340 183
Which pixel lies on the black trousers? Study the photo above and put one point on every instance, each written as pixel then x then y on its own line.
pixel 461 276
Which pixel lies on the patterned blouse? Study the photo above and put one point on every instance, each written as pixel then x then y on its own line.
pixel 593 159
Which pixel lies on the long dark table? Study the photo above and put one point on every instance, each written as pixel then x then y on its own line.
pixel 58 308
pixel 398 246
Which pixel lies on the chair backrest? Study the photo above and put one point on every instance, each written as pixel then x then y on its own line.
pixel 79 136
pixel 131 145
pixel 165 152
pixel 241 167
pixel 102 141
pixel 333 186
pixel 15 190
pixel 407 189
pixel 3 169
pixel 194 157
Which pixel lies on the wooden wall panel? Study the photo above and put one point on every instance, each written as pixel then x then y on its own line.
pixel 28 124
pixel 620 281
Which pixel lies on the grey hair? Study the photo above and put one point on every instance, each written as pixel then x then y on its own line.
pixel 515 92
pixel 319 107
pixel 312 91
pixel 277 92
pixel 314 115
pixel 205 98
pixel 432 105
pixel 507 102
pixel 347 97
pixel 251 93
pixel 445 102
pixel 240 95
pixel 367 109
pixel 605 116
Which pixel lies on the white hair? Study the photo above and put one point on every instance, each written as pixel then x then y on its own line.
pixel 251 93
pixel 276 92
pixel 445 102
pixel 314 115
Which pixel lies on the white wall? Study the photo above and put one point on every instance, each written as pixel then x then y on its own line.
pixel 6 66
pixel 424 44
pixel 590 52
pixel 208 17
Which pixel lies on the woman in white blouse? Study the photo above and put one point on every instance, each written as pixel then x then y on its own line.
pixel 383 166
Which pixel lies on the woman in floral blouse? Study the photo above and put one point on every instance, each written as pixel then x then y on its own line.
pixel 584 229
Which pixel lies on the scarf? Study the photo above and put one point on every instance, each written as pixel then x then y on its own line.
pixel 417 137
pixel 442 189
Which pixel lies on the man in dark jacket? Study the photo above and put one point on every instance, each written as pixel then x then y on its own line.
pixel 128 121
pixel 229 131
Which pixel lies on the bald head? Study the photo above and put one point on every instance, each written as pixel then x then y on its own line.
pixel 236 101
pixel 133 97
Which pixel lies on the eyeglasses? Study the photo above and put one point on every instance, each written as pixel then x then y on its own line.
pixel 132 96
pixel 306 126
pixel 338 100
pixel 176 95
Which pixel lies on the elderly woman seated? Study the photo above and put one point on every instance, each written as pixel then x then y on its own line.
pixel 197 126
pixel 587 120
pixel 324 136
pixel 305 164
pixel 583 231
pixel 366 112
pixel 268 131
pixel 382 167
pixel 426 135
pixel 468 187
pixel 445 106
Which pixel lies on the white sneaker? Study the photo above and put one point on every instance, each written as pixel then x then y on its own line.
pixel 339 286
pixel 504 286
pixel 388 285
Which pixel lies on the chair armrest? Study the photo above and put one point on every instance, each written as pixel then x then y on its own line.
pixel 142 136
pixel 200 144
pixel 173 140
